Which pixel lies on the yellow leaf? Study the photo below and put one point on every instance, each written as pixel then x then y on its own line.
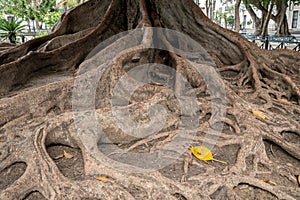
pixel 269 181
pixel 156 84
pixel 298 179
pixel 203 153
pixel 101 178
pixel 259 114
pixel 67 155
pixel 284 101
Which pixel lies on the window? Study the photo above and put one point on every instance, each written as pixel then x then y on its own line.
pixel 295 19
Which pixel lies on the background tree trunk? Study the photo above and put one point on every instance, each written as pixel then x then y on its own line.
pixel 46 154
pixel 208 7
pixel 237 15
pixel 37 25
pixel 281 19
pixel 257 21
pixel 267 20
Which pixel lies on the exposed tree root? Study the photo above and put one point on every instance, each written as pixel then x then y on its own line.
pixel 38 122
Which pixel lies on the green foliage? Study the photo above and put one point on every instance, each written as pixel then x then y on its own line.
pixel 51 18
pixel 265 3
pixel 18 8
pixel 227 15
pixel 45 7
pixel 42 33
pixel 10 29
pixel 68 3
pixel 40 10
pixel 230 20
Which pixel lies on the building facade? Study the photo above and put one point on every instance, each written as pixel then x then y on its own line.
pixel 293 16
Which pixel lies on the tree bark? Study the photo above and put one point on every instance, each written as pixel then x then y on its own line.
pixel 208 5
pixel 237 15
pixel 257 21
pixel 52 97
pixel 37 25
pixel 267 20
pixel 281 19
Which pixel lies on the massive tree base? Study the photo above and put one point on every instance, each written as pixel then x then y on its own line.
pixel 43 156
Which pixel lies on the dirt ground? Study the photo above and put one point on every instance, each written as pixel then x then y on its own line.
pixel 73 168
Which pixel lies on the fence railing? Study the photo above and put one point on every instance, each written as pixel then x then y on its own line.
pixel 275 42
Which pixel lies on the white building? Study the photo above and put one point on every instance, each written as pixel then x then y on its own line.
pixel 293 18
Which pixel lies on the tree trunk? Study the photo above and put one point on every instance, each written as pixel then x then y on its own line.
pixel 281 19
pixel 65 5
pixel 267 20
pixel 225 22
pixel 12 38
pixel 237 15
pixel 29 26
pixel 283 27
pixel 208 8
pixel 37 25
pixel 257 21
pixel 106 107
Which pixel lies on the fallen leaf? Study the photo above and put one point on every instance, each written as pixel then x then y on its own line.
pixel 298 179
pixel 58 157
pixel 102 178
pixel 204 153
pixel 269 181
pixel 259 114
pixel 67 155
pixel 284 101
pixel 156 84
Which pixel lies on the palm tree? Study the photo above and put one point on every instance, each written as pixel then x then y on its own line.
pixel 10 29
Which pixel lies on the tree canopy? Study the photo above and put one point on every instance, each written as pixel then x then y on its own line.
pixel 45 11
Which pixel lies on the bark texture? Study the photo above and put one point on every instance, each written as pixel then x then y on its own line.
pixel 237 15
pixel 37 120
